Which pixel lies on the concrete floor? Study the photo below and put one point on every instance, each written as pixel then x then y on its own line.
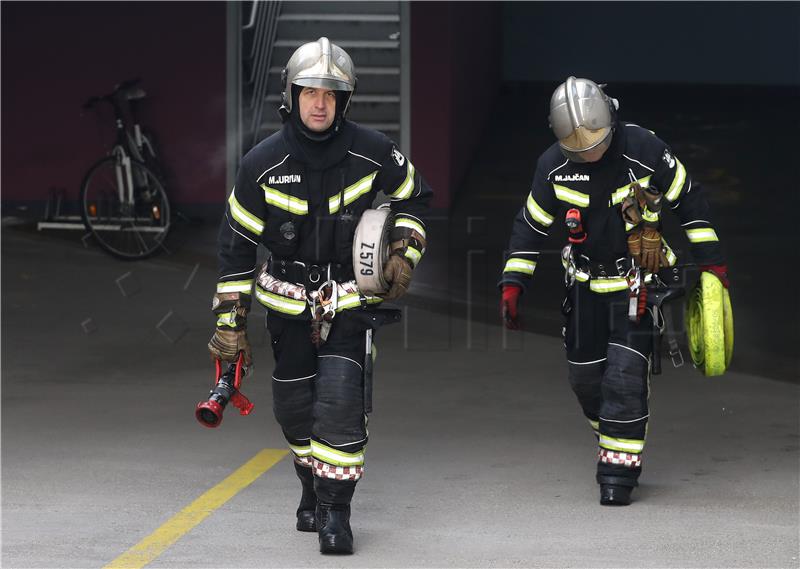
pixel 478 457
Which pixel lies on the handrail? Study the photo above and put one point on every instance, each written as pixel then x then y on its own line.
pixel 263 26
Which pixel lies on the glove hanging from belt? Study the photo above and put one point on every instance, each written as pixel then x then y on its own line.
pixel 644 240
pixel 230 337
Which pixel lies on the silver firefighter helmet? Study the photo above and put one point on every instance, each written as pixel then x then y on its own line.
pixel 318 64
pixel 581 117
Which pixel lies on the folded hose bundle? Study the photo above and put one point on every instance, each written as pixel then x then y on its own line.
pixel 371 250
pixel 709 325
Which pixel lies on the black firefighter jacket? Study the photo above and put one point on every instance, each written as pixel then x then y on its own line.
pixel 597 191
pixel 280 183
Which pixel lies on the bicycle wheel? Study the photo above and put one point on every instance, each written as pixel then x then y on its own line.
pixel 128 216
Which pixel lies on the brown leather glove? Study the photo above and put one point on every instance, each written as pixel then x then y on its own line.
pixel 226 345
pixel 653 257
pixel 635 245
pixel 397 273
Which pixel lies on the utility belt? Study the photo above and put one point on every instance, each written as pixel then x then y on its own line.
pixel 311 276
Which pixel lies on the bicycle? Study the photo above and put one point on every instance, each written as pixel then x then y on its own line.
pixel 123 202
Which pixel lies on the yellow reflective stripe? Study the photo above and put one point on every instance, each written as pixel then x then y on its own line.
pixel 669 253
pixel 413 255
pixel 409 223
pixel 574 197
pixel 301 450
pixel 407 187
pixel 581 276
pixel 353 300
pixel 280 303
pixel 618 195
pixel 243 216
pixel 629 226
pixel 235 286
pixel 625 445
pixel 595 425
pixel 538 213
pixel 227 319
pixel 608 285
pixel 284 201
pixel 520 266
pixel 336 457
pixel 352 193
pixel 677 182
pixel 651 216
pixel 703 235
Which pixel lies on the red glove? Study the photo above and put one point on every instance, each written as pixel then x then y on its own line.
pixel 509 307
pixel 720 270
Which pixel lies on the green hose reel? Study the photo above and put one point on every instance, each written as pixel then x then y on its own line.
pixel 709 325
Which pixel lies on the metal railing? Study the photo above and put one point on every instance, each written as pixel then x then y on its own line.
pixel 260 33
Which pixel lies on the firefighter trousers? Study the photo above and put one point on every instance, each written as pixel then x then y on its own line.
pixel 318 397
pixel 609 370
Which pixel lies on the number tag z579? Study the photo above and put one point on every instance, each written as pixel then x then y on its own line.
pixel 367 256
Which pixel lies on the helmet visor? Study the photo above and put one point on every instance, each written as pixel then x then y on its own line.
pixel 582 139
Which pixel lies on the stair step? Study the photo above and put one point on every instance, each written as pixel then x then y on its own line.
pixel 357 99
pixel 345 44
pixel 339 17
pixel 352 7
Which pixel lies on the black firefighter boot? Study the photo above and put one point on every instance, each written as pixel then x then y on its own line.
pixel 615 495
pixel 306 511
pixel 333 515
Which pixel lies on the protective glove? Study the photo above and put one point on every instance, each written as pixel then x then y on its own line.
pixel 721 271
pixel 226 345
pixel 397 273
pixel 509 306
pixel 230 337
pixel 635 245
pixel 653 257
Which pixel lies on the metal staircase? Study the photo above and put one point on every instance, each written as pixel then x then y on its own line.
pixel 369 31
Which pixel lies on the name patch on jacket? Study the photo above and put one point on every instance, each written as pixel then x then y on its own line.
pixel 572 178
pixel 288 179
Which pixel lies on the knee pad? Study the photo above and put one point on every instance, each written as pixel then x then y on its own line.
pixel 339 405
pixel 625 384
pixel 292 402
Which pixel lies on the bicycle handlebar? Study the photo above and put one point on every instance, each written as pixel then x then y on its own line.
pixel 127 84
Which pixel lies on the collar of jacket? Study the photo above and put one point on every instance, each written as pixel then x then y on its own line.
pixel 318 155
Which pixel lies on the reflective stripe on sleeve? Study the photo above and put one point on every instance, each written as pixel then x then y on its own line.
pixel 244 217
pixel 227 319
pixel 336 457
pixel 703 235
pixel 407 187
pixel 518 265
pixel 676 187
pixel 235 286
pixel 353 300
pixel 571 196
pixel 284 201
pixel 401 221
pixel 538 213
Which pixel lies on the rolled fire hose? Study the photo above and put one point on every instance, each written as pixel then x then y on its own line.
pixel 371 250
pixel 709 325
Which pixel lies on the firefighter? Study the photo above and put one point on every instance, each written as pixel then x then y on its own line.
pixel 615 179
pixel 300 193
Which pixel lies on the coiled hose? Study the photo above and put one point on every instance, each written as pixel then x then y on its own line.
pixel 709 325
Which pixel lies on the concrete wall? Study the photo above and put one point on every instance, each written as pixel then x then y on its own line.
pixel 55 55
pixel 455 75
pixel 754 43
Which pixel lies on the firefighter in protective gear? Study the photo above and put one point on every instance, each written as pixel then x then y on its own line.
pixel 618 176
pixel 300 193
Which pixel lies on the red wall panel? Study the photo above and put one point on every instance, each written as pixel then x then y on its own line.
pixel 54 55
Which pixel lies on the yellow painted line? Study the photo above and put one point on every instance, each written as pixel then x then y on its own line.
pixel 181 523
